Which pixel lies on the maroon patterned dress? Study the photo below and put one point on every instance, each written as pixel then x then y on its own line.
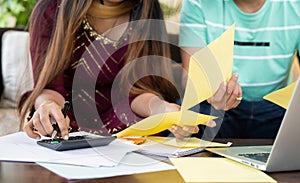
pixel 88 80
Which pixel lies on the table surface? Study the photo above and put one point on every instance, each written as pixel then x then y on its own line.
pixel 30 172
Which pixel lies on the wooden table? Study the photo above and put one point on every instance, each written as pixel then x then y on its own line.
pixel 30 172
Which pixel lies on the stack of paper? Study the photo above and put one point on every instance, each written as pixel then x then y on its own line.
pixel 172 147
pixel 189 142
pixel 132 163
pixel 19 147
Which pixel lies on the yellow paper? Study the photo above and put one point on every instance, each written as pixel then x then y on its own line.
pixel 160 122
pixel 191 142
pixel 204 169
pixel 282 96
pixel 208 68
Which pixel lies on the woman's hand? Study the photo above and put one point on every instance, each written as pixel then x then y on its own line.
pixel 157 105
pixel 179 132
pixel 185 131
pixel 48 113
pixel 228 96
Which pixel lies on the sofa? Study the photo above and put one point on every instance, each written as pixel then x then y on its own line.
pixel 16 76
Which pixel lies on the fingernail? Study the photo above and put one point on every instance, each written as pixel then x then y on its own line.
pixel 66 137
pixel 212 124
pixel 175 128
pixel 185 128
pixel 37 138
pixel 224 84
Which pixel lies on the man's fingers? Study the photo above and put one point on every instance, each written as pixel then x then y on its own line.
pixel 231 85
pixel 210 123
pixel 219 96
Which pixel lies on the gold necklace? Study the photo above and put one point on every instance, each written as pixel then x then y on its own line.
pixel 102 37
pixel 105 33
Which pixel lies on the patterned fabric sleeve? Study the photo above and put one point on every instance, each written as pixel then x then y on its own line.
pixel 43 29
pixel 192 25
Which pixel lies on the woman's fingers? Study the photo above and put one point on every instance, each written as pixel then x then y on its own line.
pixel 185 131
pixel 44 117
pixel 30 131
pixel 62 122
pixel 42 121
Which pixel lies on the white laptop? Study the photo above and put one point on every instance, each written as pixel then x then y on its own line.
pixel 284 154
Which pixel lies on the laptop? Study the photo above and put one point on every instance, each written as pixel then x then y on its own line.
pixel 283 155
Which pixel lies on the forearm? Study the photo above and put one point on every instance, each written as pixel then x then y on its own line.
pixel 147 104
pixel 49 95
pixel 186 54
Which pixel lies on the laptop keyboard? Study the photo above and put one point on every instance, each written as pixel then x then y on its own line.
pixel 263 157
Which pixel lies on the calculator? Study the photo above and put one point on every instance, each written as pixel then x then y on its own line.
pixel 76 142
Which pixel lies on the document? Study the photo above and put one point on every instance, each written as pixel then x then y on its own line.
pixel 19 147
pixel 153 148
pixel 190 142
pixel 209 67
pixel 160 122
pixel 172 147
pixel 282 96
pixel 132 163
pixel 210 169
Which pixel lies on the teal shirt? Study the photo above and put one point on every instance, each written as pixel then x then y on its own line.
pixel 265 41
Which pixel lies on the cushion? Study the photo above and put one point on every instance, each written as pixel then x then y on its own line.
pixel 16 67
pixel 9 121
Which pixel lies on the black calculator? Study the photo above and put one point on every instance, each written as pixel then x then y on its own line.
pixel 76 142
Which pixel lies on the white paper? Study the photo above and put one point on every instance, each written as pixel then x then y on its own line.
pixel 158 149
pixel 19 147
pixel 132 163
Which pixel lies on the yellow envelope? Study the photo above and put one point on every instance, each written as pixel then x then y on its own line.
pixel 282 96
pixel 160 122
pixel 208 68
pixel 191 142
pixel 214 169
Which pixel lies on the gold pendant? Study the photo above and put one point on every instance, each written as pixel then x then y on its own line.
pixel 105 41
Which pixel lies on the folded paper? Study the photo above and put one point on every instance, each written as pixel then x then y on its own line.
pixel 160 122
pixel 209 67
pixel 282 96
